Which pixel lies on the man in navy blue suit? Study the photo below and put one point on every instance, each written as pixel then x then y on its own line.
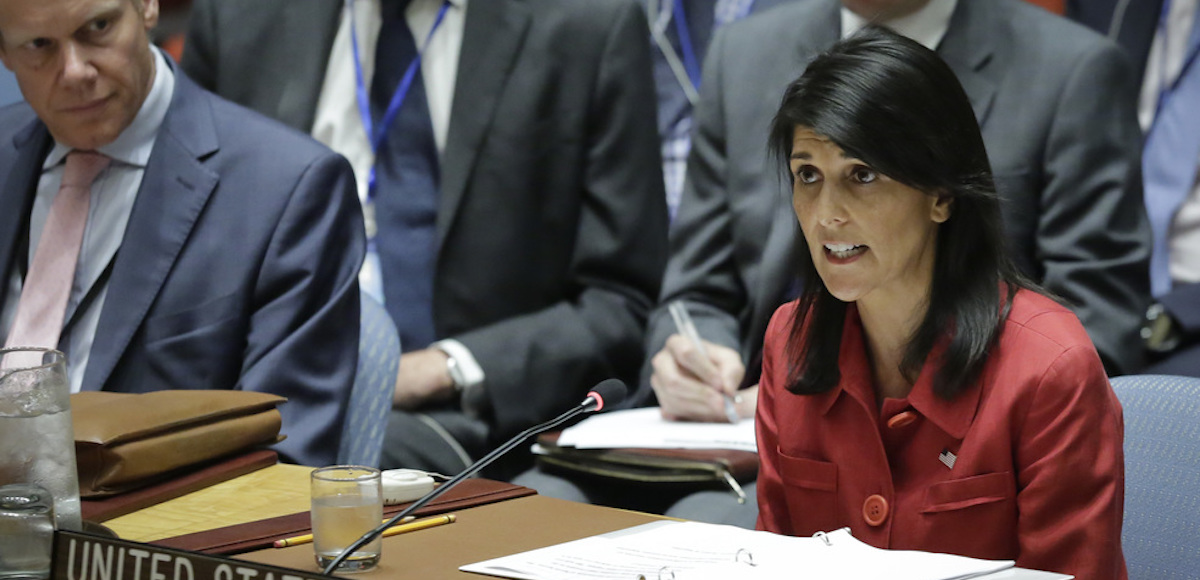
pixel 1163 38
pixel 221 249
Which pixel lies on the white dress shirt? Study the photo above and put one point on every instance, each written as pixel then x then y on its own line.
pixel 1163 67
pixel 338 123
pixel 111 203
pixel 928 25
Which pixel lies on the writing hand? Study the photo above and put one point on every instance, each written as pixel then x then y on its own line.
pixel 691 386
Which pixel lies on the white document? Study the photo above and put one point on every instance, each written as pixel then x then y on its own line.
pixel 646 428
pixel 692 550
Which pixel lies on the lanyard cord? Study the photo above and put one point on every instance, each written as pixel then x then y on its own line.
pixel 1163 58
pixel 378 135
pixel 1166 84
pixel 685 44
pixel 660 19
pixel 686 66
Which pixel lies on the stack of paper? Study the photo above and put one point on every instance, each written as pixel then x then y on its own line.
pixel 691 550
pixel 646 428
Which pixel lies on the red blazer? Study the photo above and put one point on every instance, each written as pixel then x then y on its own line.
pixel 1037 474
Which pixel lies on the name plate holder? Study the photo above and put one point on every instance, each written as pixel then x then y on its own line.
pixel 83 556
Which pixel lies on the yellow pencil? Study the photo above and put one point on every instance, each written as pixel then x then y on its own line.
pixel 403 526
pixel 420 525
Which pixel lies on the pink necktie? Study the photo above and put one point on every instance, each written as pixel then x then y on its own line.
pixel 48 284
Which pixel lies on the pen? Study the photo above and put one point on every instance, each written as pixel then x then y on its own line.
pixel 685 326
pixel 408 526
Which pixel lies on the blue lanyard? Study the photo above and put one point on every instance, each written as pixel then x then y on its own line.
pixel 377 135
pixel 690 63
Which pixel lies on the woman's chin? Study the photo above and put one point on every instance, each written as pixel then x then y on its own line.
pixel 843 293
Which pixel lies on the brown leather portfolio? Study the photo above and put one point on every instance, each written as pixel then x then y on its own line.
pixel 262 534
pixel 126 441
pixel 701 467
pixel 183 482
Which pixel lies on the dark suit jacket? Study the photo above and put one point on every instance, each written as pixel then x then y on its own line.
pixel 238 268
pixel 1066 162
pixel 1132 23
pixel 552 219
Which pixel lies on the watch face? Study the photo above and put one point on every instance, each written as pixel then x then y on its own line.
pixel 455 373
pixel 1160 332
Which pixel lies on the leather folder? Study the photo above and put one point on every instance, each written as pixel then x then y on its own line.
pixel 668 467
pixel 183 482
pixel 263 533
pixel 127 441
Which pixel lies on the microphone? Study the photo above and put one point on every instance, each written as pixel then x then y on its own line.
pixel 607 392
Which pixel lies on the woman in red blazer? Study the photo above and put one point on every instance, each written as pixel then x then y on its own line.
pixel 920 391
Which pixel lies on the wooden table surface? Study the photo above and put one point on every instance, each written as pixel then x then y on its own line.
pixel 480 533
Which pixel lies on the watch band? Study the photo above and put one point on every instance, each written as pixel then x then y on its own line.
pixel 456 373
pixel 466 372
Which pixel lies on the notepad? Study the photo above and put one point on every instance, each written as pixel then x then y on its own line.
pixel 645 428
pixel 692 550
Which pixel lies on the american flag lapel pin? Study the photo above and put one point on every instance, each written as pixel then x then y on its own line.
pixel 948 458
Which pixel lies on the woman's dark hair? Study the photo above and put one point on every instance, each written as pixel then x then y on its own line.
pixel 898 107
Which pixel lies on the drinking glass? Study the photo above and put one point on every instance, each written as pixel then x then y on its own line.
pixel 26 531
pixel 347 502
pixel 37 441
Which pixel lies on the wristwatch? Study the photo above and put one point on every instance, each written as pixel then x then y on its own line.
pixel 1160 332
pixel 456 374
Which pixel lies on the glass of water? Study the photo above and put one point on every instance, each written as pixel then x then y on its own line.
pixel 37 441
pixel 347 502
pixel 26 531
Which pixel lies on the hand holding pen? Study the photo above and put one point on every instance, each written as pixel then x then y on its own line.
pixel 688 368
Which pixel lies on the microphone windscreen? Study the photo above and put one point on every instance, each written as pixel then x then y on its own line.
pixel 610 392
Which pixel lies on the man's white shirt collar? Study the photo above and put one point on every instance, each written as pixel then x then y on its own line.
pixel 927 26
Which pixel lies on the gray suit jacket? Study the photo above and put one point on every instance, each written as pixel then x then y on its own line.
pixel 1056 105
pixel 238 269
pixel 552 220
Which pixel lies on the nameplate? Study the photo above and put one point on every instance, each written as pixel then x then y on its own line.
pixel 79 556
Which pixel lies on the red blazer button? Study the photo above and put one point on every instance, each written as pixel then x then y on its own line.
pixel 875 510
pixel 901 420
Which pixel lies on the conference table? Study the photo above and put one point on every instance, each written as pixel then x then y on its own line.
pixel 479 533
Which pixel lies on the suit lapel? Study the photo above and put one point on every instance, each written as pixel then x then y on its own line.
pixel 1191 59
pixel 175 188
pixel 821 27
pixel 824 29
pixel 17 185
pixel 492 38
pixel 306 33
pixel 969 49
